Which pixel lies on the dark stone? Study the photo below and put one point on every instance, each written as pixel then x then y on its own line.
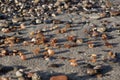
pixel 3 16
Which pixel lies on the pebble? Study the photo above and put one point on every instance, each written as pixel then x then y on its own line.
pixel 51 52
pixel 36 76
pixel 36 1
pixel 94 16
pixel 33 40
pixel 19 73
pixel 3 24
pixel 4 78
pixel 91 72
pixel 98 67
pixel 5 30
pixel 59 77
pixel 38 21
pixel 53 15
pixel 79 41
pixel 94 70
pixel 16 20
pixel 114 13
pixel 47 59
pixel 21 78
pixel 19 10
pixel 101 29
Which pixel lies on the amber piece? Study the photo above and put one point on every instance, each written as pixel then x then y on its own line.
pixel 53 44
pixel 93 56
pixel 45 53
pixel 39 35
pixel 68 25
pixel 63 30
pixel 40 41
pixel 14 52
pixel 54 40
pixel 107 44
pixel 91 71
pixel 102 15
pixel 90 44
pixel 114 13
pixel 93 60
pixel 23 57
pixel 22 26
pixel 32 33
pixel 95 34
pixel 59 77
pixel 5 78
pixel 10 40
pixel 20 53
pixel 79 41
pixel 73 62
pixel 36 50
pixel 67 45
pixel 51 52
pixel 85 31
pixel 5 30
pixel 30 74
pixel 71 38
pixel 4 52
pixel 104 37
pixel 111 55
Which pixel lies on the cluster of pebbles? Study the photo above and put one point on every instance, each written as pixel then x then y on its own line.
pixel 43 11
pixel 16 15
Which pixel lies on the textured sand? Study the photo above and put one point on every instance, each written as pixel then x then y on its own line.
pixel 38 64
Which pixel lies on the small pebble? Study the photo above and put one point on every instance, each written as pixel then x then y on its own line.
pixel 19 73
pixel 36 76
pixel 38 21
pixel 4 78
pixel 59 77
pixel 91 72
pixel 94 16
pixel 101 29
pixel 21 78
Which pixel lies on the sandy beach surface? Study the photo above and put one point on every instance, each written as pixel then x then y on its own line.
pixel 79 51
